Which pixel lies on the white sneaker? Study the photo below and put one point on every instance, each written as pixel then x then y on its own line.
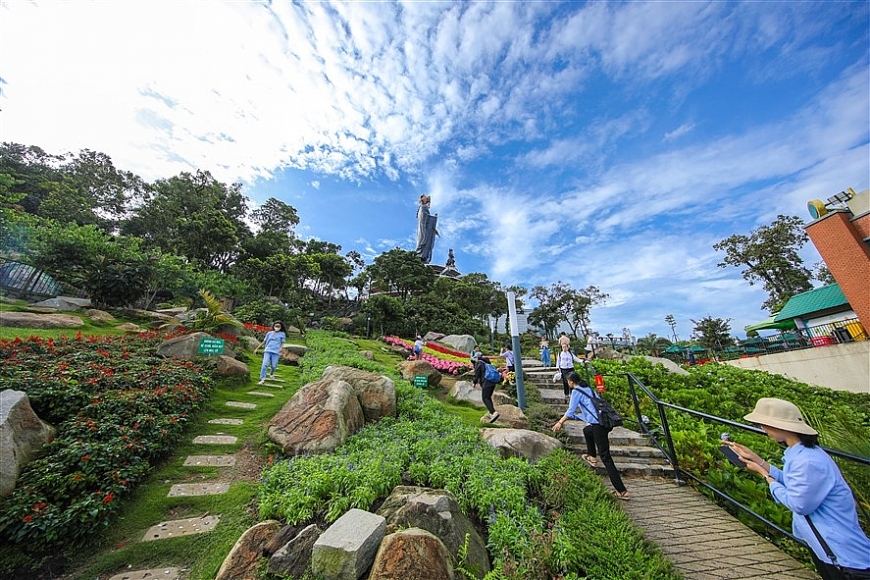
pixel 262 382
pixel 494 417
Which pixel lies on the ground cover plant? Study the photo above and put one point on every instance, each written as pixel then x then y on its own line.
pixel 533 515
pixel 842 418
pixel 117 409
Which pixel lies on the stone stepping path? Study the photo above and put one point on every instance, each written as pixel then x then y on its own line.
pixel 215 439
pixel 261 394
pixel 227 422
pixel 240 405
pixel 210 461
pixel 195 489
pixel 152 574
pixel 185 527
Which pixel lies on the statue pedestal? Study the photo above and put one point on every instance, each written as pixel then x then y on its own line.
pixel 445 271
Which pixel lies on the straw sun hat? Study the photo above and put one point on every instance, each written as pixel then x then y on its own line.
pixel 780 415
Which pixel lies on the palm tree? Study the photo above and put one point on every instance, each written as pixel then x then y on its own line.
pixel 652 344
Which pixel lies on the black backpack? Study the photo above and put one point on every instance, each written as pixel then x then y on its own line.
pixel 607 415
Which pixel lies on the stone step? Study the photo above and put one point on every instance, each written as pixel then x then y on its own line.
pixel 241 405
pixel 627 451
pixel 210 461
pixel 150 574
pixel 197 489
pixel 215 439
pixel 619 437
pixel 227 422
pixel 261 394
pixel 185 527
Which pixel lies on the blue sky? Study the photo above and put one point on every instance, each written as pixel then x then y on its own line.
pixel 594 143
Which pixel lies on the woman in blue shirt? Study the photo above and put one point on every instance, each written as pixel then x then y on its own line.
pixel 810 484
pixel 580 407
pixel 272 349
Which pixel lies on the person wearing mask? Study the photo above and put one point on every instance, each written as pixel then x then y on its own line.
pixel 811 486
pixel 565 363
pixel 272 344
pixel 580 407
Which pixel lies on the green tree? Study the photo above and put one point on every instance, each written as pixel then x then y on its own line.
pixel 386 312
pixel 560 303
pixel 769 255
pixel 194 216
pixel 672 322
pixel 652 344
pixel 713 334
pixel 402 273
pixel 277 234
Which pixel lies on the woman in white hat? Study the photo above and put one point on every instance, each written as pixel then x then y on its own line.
pixel 811 486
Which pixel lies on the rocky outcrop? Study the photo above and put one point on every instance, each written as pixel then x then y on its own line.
pixel 244 558
pixel 23 436
pixel 296 349
pixel 376 393
pixel 521 443
pixel 412 554
pixel 411 368
pixel 433 336
pixel 34 320
pixel 465 391
pixel 100 316
pixel 130 327
pixel 437 512
pixel 65 303
pixel 317 419
pixel 346 550
pixel 510 416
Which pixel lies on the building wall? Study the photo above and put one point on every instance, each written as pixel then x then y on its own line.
pixel 840 241
pixel 840 367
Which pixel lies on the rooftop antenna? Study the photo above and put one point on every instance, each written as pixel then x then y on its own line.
pixel 819 208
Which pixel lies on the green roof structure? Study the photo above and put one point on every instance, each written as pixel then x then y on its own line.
pixel 816 300
pixel 770 324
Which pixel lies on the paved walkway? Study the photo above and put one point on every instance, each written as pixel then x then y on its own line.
pixel 704 541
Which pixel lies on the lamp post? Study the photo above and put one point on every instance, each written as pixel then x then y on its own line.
pixel 610 338
pixel 518 355
pixel 368 326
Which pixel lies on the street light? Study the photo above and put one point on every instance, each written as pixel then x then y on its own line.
pixel 610 338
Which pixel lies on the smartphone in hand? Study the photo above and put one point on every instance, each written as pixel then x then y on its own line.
pixel 732 456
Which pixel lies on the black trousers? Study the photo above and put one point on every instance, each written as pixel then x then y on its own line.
pixel 831 572
pixel 565 386
pixel 597 440
pixel 487 389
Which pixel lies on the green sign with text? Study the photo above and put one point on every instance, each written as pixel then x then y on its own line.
pixel 211 346
pixel 421 381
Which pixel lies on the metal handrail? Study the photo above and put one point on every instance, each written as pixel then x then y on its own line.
pixel 671 454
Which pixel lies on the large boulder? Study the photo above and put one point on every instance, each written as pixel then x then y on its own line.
pixel 346 550
pixel 67 303
pixel 465 391
pixel 411 368
pixel 318 418
pixel 433 336
pixel 520 443
pixel 461 342
pixel 297 349
pixel 23 436
pixel 227 366
pixel 244 557
pixel 187 346
pixel 35 320
pixel 437 512
pixel 376 393
pixel 100 316
pixel 510 416
pixel 412 554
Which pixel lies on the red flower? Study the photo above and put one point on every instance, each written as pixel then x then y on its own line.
pixel 27 519
pixel 109 497
pixel 85 458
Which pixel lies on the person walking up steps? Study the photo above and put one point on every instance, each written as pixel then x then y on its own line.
pixel 565 364
pixel 580 406
pixel 487 386
pixel 272 349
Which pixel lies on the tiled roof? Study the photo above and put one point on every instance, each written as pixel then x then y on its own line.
pixel 815 300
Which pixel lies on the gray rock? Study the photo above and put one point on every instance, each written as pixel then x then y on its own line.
pixel 227 366
pixel 376 393
pixel 520 443
pixel 412 368
pixel 296 349
pixel 437 512
pixel 99 315
pixel 66 303
pixel 294 557
pixel 346 550
pixel 23 436
pixel 465 391
pixel 461 342
pixel 187 346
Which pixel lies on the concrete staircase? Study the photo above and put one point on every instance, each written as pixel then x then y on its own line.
pixel 632 452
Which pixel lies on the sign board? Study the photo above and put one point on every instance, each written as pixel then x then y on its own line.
pixel 599 383
pixel 421 381
pixel 211 346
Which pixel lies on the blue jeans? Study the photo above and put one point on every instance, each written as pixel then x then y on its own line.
pixel 270 359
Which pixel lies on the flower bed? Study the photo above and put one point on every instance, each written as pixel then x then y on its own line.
pixel 116 408
pixel 443 359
